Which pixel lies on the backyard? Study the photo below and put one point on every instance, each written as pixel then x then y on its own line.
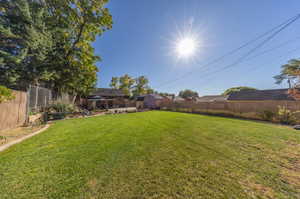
pixel 154 154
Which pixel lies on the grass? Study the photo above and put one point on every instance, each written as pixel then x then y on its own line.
pixel 154 155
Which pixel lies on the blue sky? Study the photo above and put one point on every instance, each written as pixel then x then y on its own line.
pixel 141 42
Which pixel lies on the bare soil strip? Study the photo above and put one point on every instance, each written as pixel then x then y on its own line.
pixel 9 144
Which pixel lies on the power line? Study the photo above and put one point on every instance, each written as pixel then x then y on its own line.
pixel 253 68
pixel 274 48
pixel 281 27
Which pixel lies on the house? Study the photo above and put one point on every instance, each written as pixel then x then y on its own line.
pixel 178 99
pixel 261 95
pixel 105 98
pixel 152 101
pixel 211 98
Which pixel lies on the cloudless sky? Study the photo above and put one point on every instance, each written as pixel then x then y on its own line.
pixel 142 39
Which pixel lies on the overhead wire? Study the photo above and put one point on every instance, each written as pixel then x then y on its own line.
pixel 273 31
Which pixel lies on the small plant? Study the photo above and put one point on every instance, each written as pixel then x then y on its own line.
pixel 33 112
pixel 285 115
pixel 2 137
pixel 5 94
pixel 267 115
pixel 61 107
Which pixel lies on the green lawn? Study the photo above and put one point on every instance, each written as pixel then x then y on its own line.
pixel 154 155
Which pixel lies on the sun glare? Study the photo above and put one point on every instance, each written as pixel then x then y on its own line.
pixel 186 47
pixel 185 43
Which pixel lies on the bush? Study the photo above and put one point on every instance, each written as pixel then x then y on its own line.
pixel 285 116
pixel 267 115
pixel 5 94
pixel 61 107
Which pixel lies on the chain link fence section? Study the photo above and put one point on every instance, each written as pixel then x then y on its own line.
pixel 39 98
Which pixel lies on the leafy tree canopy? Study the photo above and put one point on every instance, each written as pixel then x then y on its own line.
pixel 131 86
pixel 237 89
pixel 5 94
pixel 25 42
pixel 290 72
pixel 165 94
pixel 49 42
pixel 188 93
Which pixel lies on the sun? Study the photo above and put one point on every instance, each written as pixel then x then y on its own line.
pixel 186 43
pixel 186 47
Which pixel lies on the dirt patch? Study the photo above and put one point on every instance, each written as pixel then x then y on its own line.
pixel 14 134
pixel 254 189
pixel 22 138
pixel 92 184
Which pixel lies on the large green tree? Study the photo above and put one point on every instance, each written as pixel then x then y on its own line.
pixel 188 93
pixel 76 23
pixel 49 42
pixel 237 89
pixel 25 43
pixel 289 72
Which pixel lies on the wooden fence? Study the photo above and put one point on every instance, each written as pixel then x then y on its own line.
pixel 13 113
pixel 244 109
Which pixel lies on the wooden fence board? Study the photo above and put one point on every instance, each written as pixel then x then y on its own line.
pixel 13 112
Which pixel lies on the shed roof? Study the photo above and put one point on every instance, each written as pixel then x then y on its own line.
pixel 257 95
pixel 155 96
pixel 108 92
pixel 178 98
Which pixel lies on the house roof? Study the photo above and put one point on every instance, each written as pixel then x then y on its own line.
pixel 257 95
pixel 108 92
pixel 155 96
pixel 211 98
pixel 178 98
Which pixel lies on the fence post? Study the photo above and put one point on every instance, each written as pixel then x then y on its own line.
pixel 27 104
pixel 36 96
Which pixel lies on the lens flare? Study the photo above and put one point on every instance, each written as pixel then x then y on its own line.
pixel 186 47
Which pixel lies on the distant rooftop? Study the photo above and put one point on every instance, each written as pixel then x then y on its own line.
pixel 257 95
pixel 108 92
pixel 211 98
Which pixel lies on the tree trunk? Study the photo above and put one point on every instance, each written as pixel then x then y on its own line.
pixel 74 98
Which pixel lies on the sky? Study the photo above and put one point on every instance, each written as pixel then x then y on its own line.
pixel 143 39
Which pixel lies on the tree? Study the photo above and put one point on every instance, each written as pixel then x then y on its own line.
pixel 126 84
pixel 25 43
pixel 166 94
pixel 237 89
pixel 289 72
pixel 75 24
pixel 150 91
pixel 49 42
pixel 131 86
pixel 188 93
pixel 114 83
pixel 5 94
pixel 141 87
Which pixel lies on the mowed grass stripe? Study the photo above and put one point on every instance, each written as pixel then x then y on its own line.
pixel 153 155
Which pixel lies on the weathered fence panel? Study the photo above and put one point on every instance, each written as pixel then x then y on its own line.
pixel 39 97
pixel 13 113
pixel 246 109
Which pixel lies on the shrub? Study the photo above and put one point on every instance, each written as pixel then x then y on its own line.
pixel 267 115
pixel 5 94
pixel 285 116
pixel 61 107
